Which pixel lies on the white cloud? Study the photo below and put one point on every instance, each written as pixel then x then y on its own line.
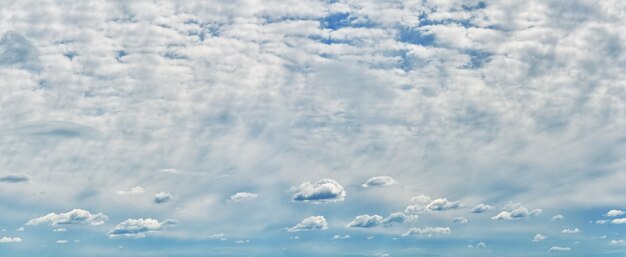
pixel 424 203
pixel 59 230
pixel 133 191
pixel 602 222
pixel 10 240
pixel 76 216
pixel 481 208
pixel 322 191
pixel 617 242
pixel 619 221
pixel 61 241
pixel 15 178
pixel 557 217
pixel 243 196
pixel 460 220
pixel 162 197
pixel 399 218
pixel 242 241
pixel 539 237
pixel 559 249
pixel 380 181
pixel 340 237
pixel 615 213
pixel 138 228
pixel 570 231
pixel 310 223
pixel 428 231
pixel 365 221
pixel 520 213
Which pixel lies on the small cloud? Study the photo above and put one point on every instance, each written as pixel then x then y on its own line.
pixel 615 213
pixel 423 204
pixel 59 230
pixel 384 255
pixel 6 240
pixel 365 221
pixel 243 196
pixel 460 220
pixel 242 241
pixel 617 242
pixel 162 197
pixel 520 212
pixel 61 241
pixel 133 191
pixel 340 237
pixel 539 237
pixel 570 231
pixel 602 221
pixel 20 229
pixel 442 204
pixel 554 249
pixel 15 178
pixel 137 228
pixel 558 217
pixel 428 231
pixel 310 223
pixel 380 181
pixel 76 216
pixel 399 217
pixel 219 236
pixel 479 245
pixel 322 191
pixel 619 221
pixel 481 208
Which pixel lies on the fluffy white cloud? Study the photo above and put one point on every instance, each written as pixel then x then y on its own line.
pixel 59 230
pixel 76 216
pixel 557 217
pixel 519 213
pixel 539 237
pixel 365 221
pixel 399 218
pixel 133 191
pixel 243 196
pixel 424 203
pixel 15 178
pixel 5 239
pixel 162 197
pixel 322 191
pixel 559 249
pixel 442 204
pixel 310 223
pixel 601 222
pixel 138 228
pixel 460 220
pixel 61 241
pixel 618 221
pixel 481 208
pixel 615 213
pixel 570 231
pixel 428 231
pixel 379 181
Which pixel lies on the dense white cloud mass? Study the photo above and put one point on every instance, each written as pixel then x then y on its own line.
pixel 322 191
pixel 427 231
pixel 243 196
pixel 478 101
pixel 138 228
pixel 75 216
pixel 380 181
pixel 310 223
pixel 5 239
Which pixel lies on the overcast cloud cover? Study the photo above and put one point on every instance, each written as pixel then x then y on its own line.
pixel 402 128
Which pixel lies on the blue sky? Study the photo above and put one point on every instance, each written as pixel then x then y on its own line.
pixel 312 128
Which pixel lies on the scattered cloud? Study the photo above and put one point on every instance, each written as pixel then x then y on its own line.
pixel 138 228
pixel 481 208
pixel 310 223
pixel 601 222
pixel 15 178
pixel 399 218
pixel 162 197
pixel 557 217
pixel 366 221
pixel 133 191
pixel 428 231
pixel 243 196
pixel 322 191
pixel 539 237
pixel 519 213
pixel 570 231
pixel 59 230
pixel 10 240
pixel 340 237
pixel 619 221
pixel 61 241
pixel 478 245
pixel 617 242
pixel 615 213
pixel 422 203
pixel 242 241
pixel 76 216
pixel 380 181
pixel 559 249
pixel 460 220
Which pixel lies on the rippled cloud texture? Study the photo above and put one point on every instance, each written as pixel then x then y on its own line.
pixel 312 128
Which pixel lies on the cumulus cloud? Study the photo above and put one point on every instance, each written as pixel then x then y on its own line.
pixel 76 216
pixel 539 237
pixel 618 221
pixel 310 223
pixel 398 218
pixel 559 249
pixel 481 208
pixel 15 178
pixel 322 191
pixel 243 196
pixel 162 197
pixel 442 204
pixel 380 181
pixel 138 228
pixel 428 231
pixel 133 191
pixel 615 213
pixel 424 203
pixel 570 231
pixel 519 213
pixel 557 217
pixel 5 239
pixel 601 222
pixel 460 220
pixel 365 221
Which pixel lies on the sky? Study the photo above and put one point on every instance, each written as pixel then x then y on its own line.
pixel 312 128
